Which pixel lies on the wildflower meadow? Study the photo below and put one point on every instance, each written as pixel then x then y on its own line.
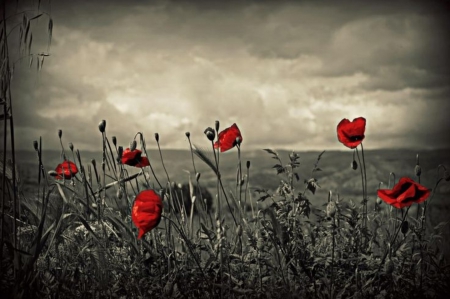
pixel 117 227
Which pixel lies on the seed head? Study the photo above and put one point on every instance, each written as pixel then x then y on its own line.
pixel 59 134
pixel 210 134
pixel 238 140
pixel 102 126
pixel 354 165
pixel 35 145
pixel 114 140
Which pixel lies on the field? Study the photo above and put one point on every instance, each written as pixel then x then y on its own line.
pixel 254 257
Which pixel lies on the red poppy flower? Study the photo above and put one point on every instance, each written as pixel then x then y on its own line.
pixel 351 134
pixel 67 169
pixel 146 213
pixel 405 193
pixel 133 158
pixel 227 138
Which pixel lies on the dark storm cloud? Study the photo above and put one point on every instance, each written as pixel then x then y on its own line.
pixel 287 72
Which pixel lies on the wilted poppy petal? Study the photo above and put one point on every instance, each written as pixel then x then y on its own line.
pixel 67 169
pixel 405 193
pixel 146 213
pixel 227 138
pixel 351 134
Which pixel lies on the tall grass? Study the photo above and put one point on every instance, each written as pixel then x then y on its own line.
pixel 75 237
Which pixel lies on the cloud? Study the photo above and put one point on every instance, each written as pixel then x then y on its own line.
pixel 285 73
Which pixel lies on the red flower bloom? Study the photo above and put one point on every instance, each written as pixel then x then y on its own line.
pixel 133 158
pixel 405 193
pixel 146 213
pixel 227 138
pixel 351 134
pixel 67 169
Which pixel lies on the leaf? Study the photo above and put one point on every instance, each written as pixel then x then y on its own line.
pixel 30 42
pixel 263 198
pixel 27 30
pixel 312 185
pixel 35 17
pixel 202 155
pixel 270 151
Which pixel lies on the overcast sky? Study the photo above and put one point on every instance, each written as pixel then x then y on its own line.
pixel 285 72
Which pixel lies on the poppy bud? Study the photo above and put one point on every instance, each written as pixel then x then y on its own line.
pixel 418 170
pixel 157 137
pixel 102 126
pixel 114 140
pixel 248 164
pixel 405 227
pixel 239 230
pixel 331 209
pixel 197 176
pixel 379 200
pixel 188 134
pixel 119 154
pixel 35 144
pixel 354 165
pixel 94 163
pixel 71 146
pixel 217 125
pixel 133 145
pixel 389 266
pixel 59 134
pixel 210 134
pixel 446 175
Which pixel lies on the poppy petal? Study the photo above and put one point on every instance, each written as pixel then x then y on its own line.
pixel 146 212
pixel 227 138
pixel 404 193
pixel 351 134
pixel 67 169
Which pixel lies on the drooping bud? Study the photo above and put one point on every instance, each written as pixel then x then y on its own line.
pixel 188 134
pixel 114 140
pixel 248 164
pixel 446 175
pixel 217 125
pixel 405 227
pixel 210 134
pixel 354 165
pixel 59 134
pixel 71 146
pixel 35 145
pixel 331 209
pixel 102 126
pixel 133 145
pixel 157 137
pixel 418 170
